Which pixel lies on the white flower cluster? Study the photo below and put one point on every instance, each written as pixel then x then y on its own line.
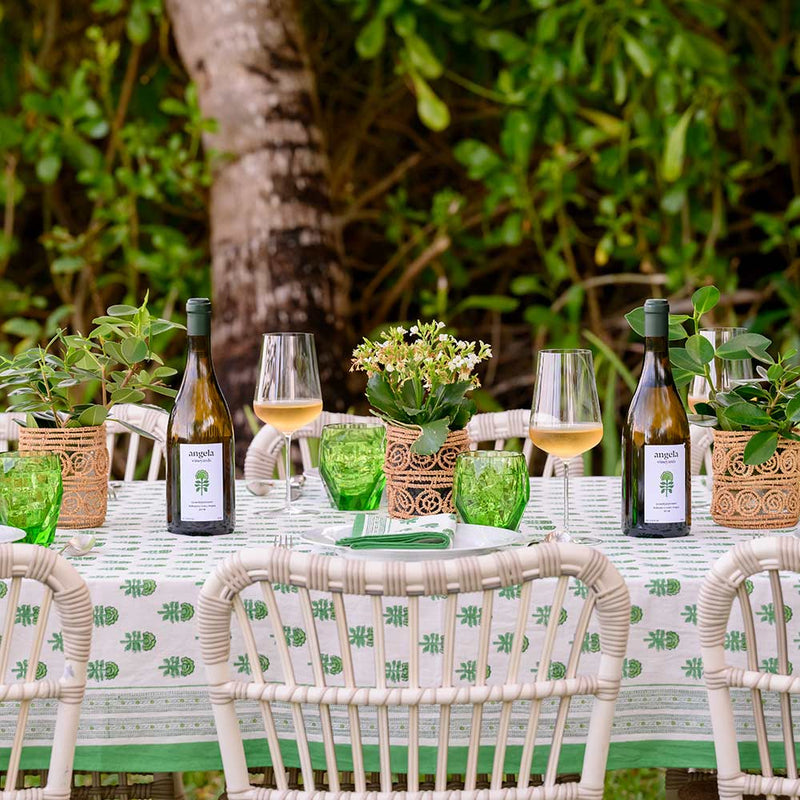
pixel 431 356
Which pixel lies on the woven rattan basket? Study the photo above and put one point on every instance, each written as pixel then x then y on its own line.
pixel 84 470
pixel 420 485
pixel 765 496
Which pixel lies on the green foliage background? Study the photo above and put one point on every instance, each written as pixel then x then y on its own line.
pixel 103 188
pixel 526 170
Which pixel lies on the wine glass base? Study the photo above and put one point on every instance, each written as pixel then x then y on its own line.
pixel 560 536
pixel 293 511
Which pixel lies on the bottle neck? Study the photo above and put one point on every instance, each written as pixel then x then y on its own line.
pixel 656 344
pixel 198 357
pixel 656 368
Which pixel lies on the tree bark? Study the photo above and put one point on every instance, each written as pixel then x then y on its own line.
pixel 274 260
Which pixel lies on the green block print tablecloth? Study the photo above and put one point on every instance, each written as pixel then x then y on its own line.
pixel 146 706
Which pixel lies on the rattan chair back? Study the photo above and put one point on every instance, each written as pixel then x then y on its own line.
pixel 288 581
pixel 702 439
pixel 147 418
pixel 497 428
pixel 9 429
pixel 725 583
pixel 265 451
pixel 151 420
pixel 63 588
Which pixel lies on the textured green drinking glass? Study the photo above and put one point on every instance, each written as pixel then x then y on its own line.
pixel 30 494
pixel 351 465
pixel 491 487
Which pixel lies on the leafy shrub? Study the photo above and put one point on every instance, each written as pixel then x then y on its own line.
pixel 599 153
pixel 103 190
pixel 527 170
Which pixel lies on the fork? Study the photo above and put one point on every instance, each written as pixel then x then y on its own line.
pixel 282 540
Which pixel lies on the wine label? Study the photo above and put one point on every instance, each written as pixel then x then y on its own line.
pixel 664 483
pixel 201 482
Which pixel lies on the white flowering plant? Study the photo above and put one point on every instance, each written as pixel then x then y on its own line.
pixel 420 378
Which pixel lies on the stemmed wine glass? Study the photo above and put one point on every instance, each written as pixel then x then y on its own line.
pixel 725 373
pixel 565 415
pixel 288 394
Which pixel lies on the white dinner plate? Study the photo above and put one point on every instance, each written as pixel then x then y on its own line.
pixel 9 534
pixel 469 540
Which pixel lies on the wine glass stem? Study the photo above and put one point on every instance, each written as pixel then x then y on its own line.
pixel 566 497
pixel 288 468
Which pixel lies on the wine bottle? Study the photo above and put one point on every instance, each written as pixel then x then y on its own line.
pixel 656 479
pixel 200 448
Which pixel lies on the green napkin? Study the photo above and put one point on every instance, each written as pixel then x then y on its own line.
pixel 373 532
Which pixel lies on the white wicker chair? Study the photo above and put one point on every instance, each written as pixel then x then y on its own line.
pixel 356 586
pixel 702 439
pixel 151 420
pixel 65 588
pixel 724 583
pixel 9 430
pixel 264 452
pixel 500 426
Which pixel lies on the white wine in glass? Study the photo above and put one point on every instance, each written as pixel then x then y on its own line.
pixel 288 394
pixel 565 415
pixel 567 441
pixel 693 399
pixel 288 415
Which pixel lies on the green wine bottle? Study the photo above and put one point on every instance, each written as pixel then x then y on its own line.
pixel 656 476
pixel 200 447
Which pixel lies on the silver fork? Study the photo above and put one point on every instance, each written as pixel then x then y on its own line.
pixel 282 540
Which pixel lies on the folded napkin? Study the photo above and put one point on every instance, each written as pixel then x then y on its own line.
pixel 373 532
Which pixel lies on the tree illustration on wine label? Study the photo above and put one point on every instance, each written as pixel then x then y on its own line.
pixel 201 481
pixel 667 483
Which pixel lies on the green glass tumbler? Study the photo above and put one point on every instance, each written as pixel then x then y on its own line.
pixel 351 464
pixel 491 487
pixel 30 494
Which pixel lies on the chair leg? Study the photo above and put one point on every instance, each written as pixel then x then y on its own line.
pixel 177 783
pixel 684 784
pixel 674 779
pixel 164 786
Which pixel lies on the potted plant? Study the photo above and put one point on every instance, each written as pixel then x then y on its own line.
pixel 418 386
pixel 756 457
pixel 68 389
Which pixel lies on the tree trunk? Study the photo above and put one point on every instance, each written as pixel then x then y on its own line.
pixel 274 260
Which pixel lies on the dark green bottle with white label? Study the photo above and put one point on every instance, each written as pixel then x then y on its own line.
pixel 200 448
pixel 656 474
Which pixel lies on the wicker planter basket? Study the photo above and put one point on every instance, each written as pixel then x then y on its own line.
pixel 84 470
pixel 766 496
pixel 420 485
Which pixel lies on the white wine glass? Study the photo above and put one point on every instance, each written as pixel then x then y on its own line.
pixel 288 394
pixel 725 373
pixel 565 416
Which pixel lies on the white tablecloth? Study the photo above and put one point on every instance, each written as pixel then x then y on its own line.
pixel 146 705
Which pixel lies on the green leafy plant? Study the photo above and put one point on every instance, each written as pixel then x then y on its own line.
pixel 103 180
pixel 599 150
pixel 421 382
pixel 76 380
pixel 768 405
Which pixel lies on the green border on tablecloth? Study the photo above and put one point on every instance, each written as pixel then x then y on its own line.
pixel 205 756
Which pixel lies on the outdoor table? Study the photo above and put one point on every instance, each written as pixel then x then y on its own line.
pixel 146 706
